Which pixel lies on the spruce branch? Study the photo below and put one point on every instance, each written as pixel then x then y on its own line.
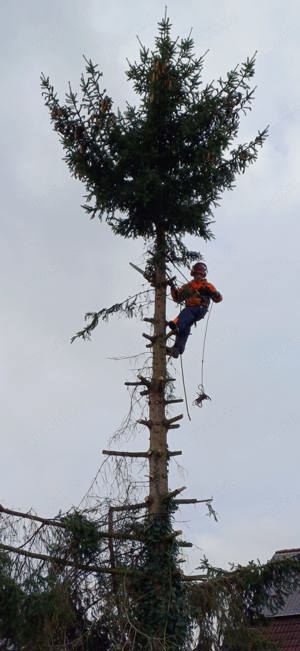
pixel 130 307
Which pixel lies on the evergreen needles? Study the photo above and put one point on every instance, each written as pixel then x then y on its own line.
pixel 165 162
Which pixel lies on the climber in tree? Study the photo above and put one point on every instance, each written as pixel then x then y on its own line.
pixel 196 294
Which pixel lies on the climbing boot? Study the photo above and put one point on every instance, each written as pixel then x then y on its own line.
pixel 173 326
pixel 173 352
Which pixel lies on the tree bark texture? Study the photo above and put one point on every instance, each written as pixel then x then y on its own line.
pixel 158 461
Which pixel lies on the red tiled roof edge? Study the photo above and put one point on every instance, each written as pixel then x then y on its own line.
pixel 285 632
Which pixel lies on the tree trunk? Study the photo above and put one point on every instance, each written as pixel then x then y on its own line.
pixel 158 461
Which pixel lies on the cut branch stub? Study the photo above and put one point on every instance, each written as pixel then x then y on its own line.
pixel 149 337
pixel 142 381
pixel 174 419
pixel 172 535
pixel 193 500
pixel 116 453
pixel 145 381
pixel 146 454
pixel 133 384
pixel 147 423
pixel 174 493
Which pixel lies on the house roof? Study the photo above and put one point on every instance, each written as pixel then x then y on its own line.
pixel 284 625
pixel 285 632
pixel 292 603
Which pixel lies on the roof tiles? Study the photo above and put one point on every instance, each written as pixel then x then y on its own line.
pixel 286 633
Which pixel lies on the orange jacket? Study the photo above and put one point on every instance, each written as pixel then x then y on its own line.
pixel 196 292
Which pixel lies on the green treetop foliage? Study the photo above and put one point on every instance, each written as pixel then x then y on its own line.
pixel 165 162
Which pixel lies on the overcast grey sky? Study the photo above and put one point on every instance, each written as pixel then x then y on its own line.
pixel 61 403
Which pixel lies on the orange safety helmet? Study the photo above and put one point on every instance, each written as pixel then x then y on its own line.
pixel 200 269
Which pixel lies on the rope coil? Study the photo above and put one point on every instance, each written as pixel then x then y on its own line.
pixel 201 396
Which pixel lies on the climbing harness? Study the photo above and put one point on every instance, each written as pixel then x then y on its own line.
pixel 201 395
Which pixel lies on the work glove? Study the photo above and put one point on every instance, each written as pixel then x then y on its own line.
pixel 217 297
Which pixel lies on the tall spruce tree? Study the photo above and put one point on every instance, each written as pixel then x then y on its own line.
pixel 156 171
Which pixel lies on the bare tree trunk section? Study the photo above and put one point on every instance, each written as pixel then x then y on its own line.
pixel 158 461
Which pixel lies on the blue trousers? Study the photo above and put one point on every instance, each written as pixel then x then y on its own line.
pixel 187 317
